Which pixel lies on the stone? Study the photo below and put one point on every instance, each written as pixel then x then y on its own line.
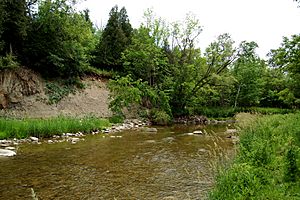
pixel 198 132
pixel 5 145
pixel 150 130
pixel 75 139
pixel 50 141
pixel 231 131
pixel 34 139
pixel 189 133
pixel 7 153
pixel 10 148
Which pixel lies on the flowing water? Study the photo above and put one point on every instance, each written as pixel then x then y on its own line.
pixel 165 165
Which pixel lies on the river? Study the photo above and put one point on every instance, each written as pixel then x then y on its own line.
pixel 166 165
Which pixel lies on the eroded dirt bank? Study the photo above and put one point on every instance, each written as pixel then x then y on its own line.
pixel 22 94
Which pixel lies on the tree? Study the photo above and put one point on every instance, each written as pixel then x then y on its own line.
pixel 60 40
pixel 144 60
pixel 115 38
pixel 248 71
pixel 287 59
pixel 194 72
pixel 13 26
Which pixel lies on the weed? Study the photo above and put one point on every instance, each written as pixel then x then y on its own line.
pixel 57 90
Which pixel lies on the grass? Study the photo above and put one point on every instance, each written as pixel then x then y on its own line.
pixel 14 128
pixel 268 162
pixel 99 72
pixel 227 112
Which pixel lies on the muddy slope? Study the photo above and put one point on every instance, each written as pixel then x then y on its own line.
pixel 22 94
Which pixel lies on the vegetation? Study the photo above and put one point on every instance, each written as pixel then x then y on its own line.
pixel 14 128
pixel 156 67
pixel 268 162
pixel 58 89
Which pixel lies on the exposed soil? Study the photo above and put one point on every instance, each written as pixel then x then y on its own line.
pixel 93 100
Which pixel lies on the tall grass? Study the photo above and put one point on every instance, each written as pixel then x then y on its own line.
pixel 226 112
pixel 14 128
pixel 268 163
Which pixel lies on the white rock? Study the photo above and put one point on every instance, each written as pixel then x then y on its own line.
pixel 50 141
pixel 150 130
pixel 34 139
pixel 10 148
pixel 198 132
pixel 190 134
pixel 7 153
pixel 75 139
pixel 231 131
pixel 4 145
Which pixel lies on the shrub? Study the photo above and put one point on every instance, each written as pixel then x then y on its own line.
pixel 8 62
pixel 160 117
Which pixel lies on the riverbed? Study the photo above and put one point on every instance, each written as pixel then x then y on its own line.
pixel 169 164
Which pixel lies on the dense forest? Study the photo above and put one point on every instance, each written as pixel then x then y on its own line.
pixel 157 66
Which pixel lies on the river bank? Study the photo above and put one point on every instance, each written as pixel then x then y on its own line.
pixel 73 130
pixel 267 165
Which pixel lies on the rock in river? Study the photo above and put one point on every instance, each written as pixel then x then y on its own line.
pixel 198 132
pixel 7 153
pixel 34 139
pixel 150 130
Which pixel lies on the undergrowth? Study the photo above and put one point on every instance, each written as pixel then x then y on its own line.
pixel 58 89
pixel 268 163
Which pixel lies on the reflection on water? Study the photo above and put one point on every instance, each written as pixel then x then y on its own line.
pixel 165 165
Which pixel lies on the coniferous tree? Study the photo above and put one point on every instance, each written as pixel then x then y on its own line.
pixel 115 38
pixel 13 26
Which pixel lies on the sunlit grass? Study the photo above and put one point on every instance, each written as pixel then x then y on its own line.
pixel 15 128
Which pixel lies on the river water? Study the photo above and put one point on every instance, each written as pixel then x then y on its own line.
pixel 165 165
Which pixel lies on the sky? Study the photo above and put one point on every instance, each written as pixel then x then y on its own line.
pixel 262 21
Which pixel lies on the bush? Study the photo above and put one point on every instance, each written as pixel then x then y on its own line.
pixel 159 117
pixel 116 119
pixel 8 62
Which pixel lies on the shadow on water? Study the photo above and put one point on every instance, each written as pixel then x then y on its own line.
pixel 167 165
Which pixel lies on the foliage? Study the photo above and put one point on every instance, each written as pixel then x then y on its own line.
pixel 14 128
pixel 267 165
pixel 59 40
pixel 160 117
pixel 248 71
pixel 127 93
pixel 144 60
pixel 89 70
pixel 9 62
pixel 13 26
pixel 287 59
pixel 116 119
pixel 114 39
pixel 57 90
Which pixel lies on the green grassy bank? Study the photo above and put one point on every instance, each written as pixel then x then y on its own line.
pixel 226 112
pixel 14 128
pixel 268 162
